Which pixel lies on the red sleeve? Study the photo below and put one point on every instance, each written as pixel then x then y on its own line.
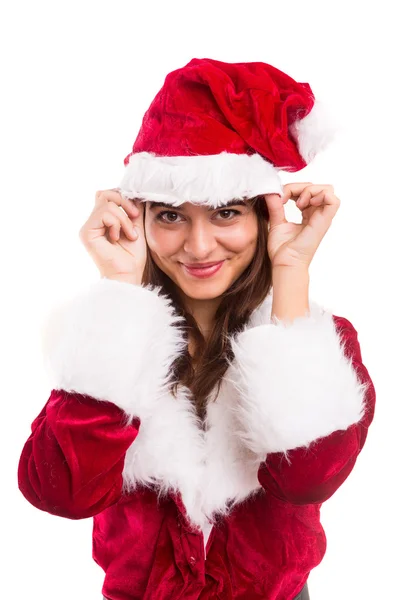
pixel 312 474
pixel 71 465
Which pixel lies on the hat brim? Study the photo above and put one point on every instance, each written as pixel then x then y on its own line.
pixel 210 180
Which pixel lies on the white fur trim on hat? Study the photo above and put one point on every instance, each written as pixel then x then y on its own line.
pixel 211 180
pixel 316 131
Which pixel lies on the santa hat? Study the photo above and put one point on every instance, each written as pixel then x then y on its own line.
pixel 219 131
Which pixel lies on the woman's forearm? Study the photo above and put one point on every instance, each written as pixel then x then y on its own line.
pixel 290 293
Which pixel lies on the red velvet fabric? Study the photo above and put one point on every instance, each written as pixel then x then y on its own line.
pixel 209 106
pixel 71 466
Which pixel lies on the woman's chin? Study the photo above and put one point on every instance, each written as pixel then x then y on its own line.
pixel 204 289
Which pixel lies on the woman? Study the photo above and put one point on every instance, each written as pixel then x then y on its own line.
pixel 202 406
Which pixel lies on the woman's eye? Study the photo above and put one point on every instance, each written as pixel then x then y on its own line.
pixel 167 213
pixel 226 212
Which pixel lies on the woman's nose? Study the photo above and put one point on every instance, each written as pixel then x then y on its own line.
pixel 200 240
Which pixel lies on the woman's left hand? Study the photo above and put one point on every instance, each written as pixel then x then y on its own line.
pixel 294 244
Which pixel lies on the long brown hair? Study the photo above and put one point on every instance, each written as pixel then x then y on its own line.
pixel 238 302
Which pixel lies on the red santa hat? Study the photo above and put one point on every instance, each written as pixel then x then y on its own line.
pixel 219 131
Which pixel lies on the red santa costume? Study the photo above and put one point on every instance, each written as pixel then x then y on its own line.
pixel 230 511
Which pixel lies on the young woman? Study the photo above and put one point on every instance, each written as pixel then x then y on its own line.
pixel 202 406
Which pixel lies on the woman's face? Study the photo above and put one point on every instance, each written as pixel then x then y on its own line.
pixel 181 238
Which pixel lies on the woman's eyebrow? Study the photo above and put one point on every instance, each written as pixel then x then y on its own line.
pixel 232 203
pixel 156 204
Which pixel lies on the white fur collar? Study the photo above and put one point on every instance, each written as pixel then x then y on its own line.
pixel 116 342
pixel 212 469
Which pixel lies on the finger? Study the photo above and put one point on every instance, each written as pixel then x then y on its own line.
pixel 316 200
pixel 131 207
pixel 318 225
pixel 275 210
pixel 315 203
pixel 128 227
pixel 104 196
pixel 139 219
pixel 139 206
pixel 294 189
pixel 104 204
pixel 319 221
pixel 313 190
pixel 113 224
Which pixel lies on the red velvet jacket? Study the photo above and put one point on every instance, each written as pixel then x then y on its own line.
pixel 231 511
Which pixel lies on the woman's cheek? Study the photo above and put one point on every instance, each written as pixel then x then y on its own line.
pixel 239 238
pixel 161 240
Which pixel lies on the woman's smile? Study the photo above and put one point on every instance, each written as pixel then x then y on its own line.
pixel 202 270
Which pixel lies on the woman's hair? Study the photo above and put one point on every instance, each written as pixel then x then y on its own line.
pixel 238 302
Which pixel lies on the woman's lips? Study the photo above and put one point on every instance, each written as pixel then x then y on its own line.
pixel 202 272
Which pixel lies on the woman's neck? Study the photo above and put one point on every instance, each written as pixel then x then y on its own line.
pixel 203 312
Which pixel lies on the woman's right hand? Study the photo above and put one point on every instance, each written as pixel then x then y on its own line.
pixel 115 239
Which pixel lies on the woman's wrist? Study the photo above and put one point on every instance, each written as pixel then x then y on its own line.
pixel 290 293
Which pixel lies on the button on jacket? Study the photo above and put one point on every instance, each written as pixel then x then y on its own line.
pixel 227 511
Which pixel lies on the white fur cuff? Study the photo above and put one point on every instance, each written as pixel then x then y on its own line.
pixel 115 341
pixel 295 383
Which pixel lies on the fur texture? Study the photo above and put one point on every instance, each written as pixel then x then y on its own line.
pixel 294 383
pixel 211 469
pixel 115 342
pixel 215 179
pixel 105 343
pixel 210 180
pixel 286 387
pixel 316 131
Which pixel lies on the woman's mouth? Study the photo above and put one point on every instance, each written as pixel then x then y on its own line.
pixel 203 271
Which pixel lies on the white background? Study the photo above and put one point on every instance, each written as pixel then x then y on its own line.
pixel 76 80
